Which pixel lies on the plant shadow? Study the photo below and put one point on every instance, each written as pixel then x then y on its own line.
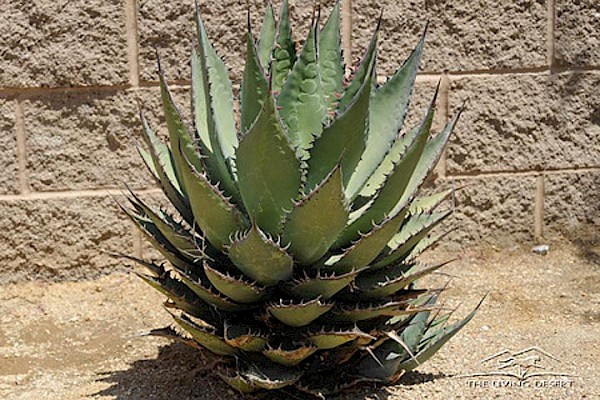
pixel 178 372
pixel 418 378
pixel 181 373
pixel 587 242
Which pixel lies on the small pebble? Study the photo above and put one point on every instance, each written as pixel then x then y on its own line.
pixel 541 249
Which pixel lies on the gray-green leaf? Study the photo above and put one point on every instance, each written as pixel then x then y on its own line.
pixel 268 171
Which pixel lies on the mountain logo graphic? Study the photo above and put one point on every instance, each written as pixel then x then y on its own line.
pixel 532 362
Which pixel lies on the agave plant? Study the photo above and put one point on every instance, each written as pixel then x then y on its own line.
pixel 293 255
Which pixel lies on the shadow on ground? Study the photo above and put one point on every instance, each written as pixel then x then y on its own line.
pixel 587 241
pixel 176 373
pixel 181 373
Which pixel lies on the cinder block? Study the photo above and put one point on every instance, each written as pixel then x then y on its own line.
pixel 526 122
pixel 58 239
pixel 577 32
pixel 462 35
pixel 492 210
pixel 82 140
pixel 62 43
pixel 166 27
pixel 572 201
pixel 169 27
pixel 9 178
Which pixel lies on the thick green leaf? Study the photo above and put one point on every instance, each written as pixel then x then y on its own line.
pixel 301 102
pixel 416 298
pixel 235 288
pixel 342 141
pixel 383 361
pixel 206 337
pixel 284 51
pixel 183 298
pixel 164 167
pixel 219 95
pixel 148 161
pixel 326 339
pixel 263 373
pixel 364 72
pixel 373 279
pixel 388 108
pixel 385 168
pixel 160 154
pixel 362 312
pixel 377 365
pixel 429 203
pixel 322 285
pixel 254 86
pixel 316 221
pixel 200 103
pixel 425 244
pixel 184 241
pixel 411 335
pixel 368 247
pixel 182 141
pixel 260 258
pixel 156 238
pixel 415 229
pixel 244 337
pixel 289 354
pixel 214 214
pixel 209 250
pixel 386 282
pixel 238 382
pixel 267 37
pixel 215 163
pixel 212 90
pixel 431 154
pixel 389 195
pixel 433 327
pixel 331 63
pixel 268 171
pixel 172 334
pixel 298 314
pixel 437 341
pixel 203 289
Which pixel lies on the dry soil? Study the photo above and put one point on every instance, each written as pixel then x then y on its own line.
pixel 79 340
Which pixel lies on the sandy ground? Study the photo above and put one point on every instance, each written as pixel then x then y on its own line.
pixel 82 340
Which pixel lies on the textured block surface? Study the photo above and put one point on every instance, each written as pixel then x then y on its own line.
pixel 62 43
pixel 525 122
pixel 168 28
pixel 9 178
pixel 577 32
pixel 572 201
pixel 462 35
pixel 83 141
pixel 493 210
pixel 61 238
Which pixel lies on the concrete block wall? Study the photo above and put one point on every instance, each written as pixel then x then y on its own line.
pixel 72 72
